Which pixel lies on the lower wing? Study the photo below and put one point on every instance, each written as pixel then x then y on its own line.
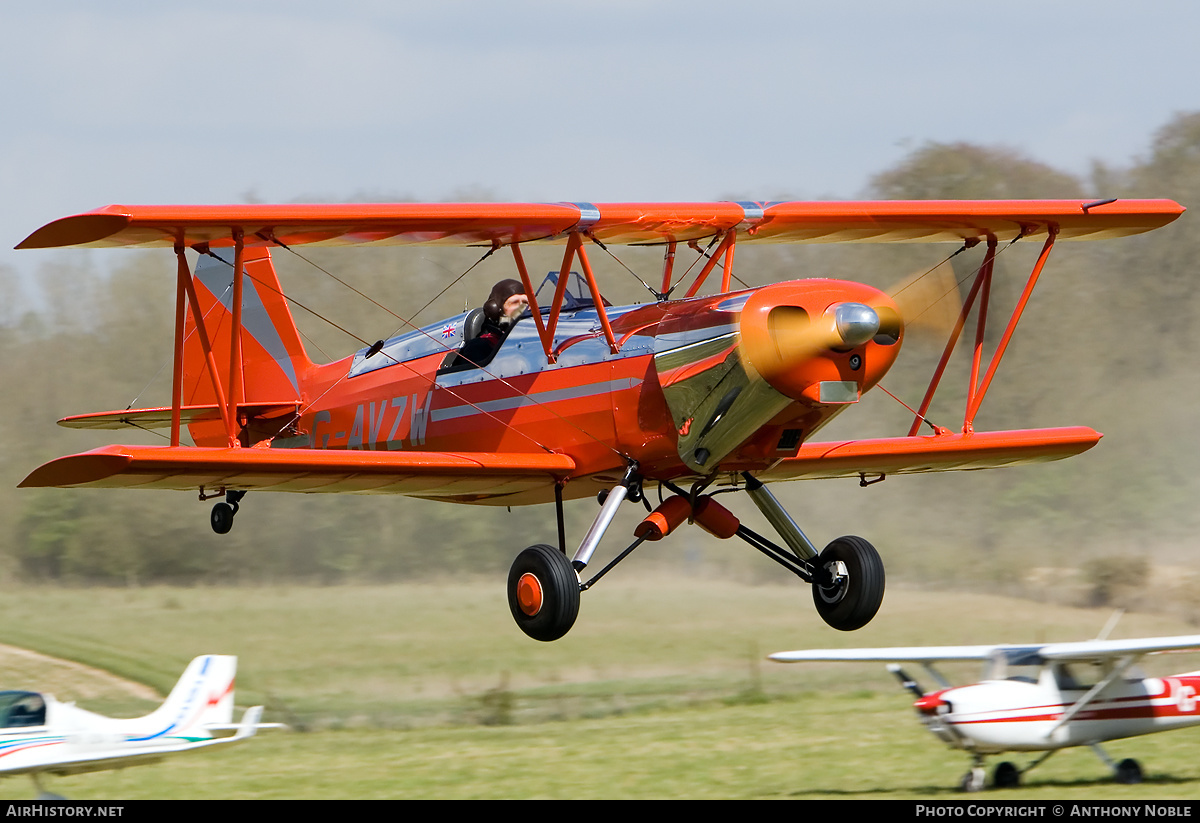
pixel 461 476
pixel 936 453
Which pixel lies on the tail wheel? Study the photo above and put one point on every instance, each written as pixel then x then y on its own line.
pixel 543 592
pixel 854 594
pixel 222 518
pixel 222 513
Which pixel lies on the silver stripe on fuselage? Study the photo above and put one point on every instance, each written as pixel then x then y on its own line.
pixel 540 398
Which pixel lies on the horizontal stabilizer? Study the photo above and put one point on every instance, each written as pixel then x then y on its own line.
pixel 465 476
pixel 160 418
pixel 935 453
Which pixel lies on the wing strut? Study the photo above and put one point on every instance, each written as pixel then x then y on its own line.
pixel 229 396
pixel 546 330
pixel 236 376
pixel 725 250
pixel 186 286
pixel 977 389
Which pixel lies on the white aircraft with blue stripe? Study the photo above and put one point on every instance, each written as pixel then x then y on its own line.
pixel 40 735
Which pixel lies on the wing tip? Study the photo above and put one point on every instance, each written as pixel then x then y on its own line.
pixel 77 230
pixel 76 470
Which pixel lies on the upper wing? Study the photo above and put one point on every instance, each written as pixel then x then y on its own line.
pixel 1097 649
pixel 464 476
pixel 904 221
pixel 941 452
pixel 920 654
pixel 1083 650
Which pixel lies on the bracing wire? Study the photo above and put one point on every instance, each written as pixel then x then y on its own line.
pixel 958 284
pixel 411 324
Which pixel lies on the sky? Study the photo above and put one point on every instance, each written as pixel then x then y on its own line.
pixel 129 101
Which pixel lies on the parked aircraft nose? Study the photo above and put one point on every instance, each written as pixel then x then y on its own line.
pixel 930 704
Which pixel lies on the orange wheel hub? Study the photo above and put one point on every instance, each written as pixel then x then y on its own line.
pixel 529 594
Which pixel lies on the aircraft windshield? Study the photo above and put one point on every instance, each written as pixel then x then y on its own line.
pixel 21 709
pixel 576 296
pixel 1013 663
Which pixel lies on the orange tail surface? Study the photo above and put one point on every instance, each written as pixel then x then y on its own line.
pixel 274 366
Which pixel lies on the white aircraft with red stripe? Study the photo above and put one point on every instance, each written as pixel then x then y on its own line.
pixel 1041 698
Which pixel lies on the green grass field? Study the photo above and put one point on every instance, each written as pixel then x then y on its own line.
pixel 660 691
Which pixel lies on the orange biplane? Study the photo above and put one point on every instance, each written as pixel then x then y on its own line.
pixel 689 395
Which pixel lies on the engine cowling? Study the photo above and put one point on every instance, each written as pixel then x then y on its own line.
pixel 805 347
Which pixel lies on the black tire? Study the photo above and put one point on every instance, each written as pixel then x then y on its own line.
pixel 1128 772
pixel 851 602
pixel 1006 776
pixel 556 586
pixel 222 518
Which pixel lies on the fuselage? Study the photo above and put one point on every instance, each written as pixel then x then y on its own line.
pixel 730 382
pixel 1016 715
pixel 47 735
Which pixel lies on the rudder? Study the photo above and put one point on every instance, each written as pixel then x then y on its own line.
pixel 202 697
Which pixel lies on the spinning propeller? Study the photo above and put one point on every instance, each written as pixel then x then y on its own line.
pixel 927 300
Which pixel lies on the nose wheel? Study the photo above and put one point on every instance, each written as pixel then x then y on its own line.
pixel 543 592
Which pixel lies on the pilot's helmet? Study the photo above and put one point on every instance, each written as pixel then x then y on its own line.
pixel 494 307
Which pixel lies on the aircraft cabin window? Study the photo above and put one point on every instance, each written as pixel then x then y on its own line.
pixel 21 709
pixel 1072 678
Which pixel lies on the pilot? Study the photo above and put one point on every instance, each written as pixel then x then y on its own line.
pixel 501 311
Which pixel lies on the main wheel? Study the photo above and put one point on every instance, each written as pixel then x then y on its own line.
pixel 543 592
pixel 1006 776
pixel 1128 771
pixel 854 595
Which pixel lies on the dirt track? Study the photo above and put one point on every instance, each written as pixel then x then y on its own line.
pixel 66 680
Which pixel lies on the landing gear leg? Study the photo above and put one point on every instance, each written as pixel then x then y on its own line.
pixel 222 513
pixel 847 577
pixel 1128 771
pixel 42 792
